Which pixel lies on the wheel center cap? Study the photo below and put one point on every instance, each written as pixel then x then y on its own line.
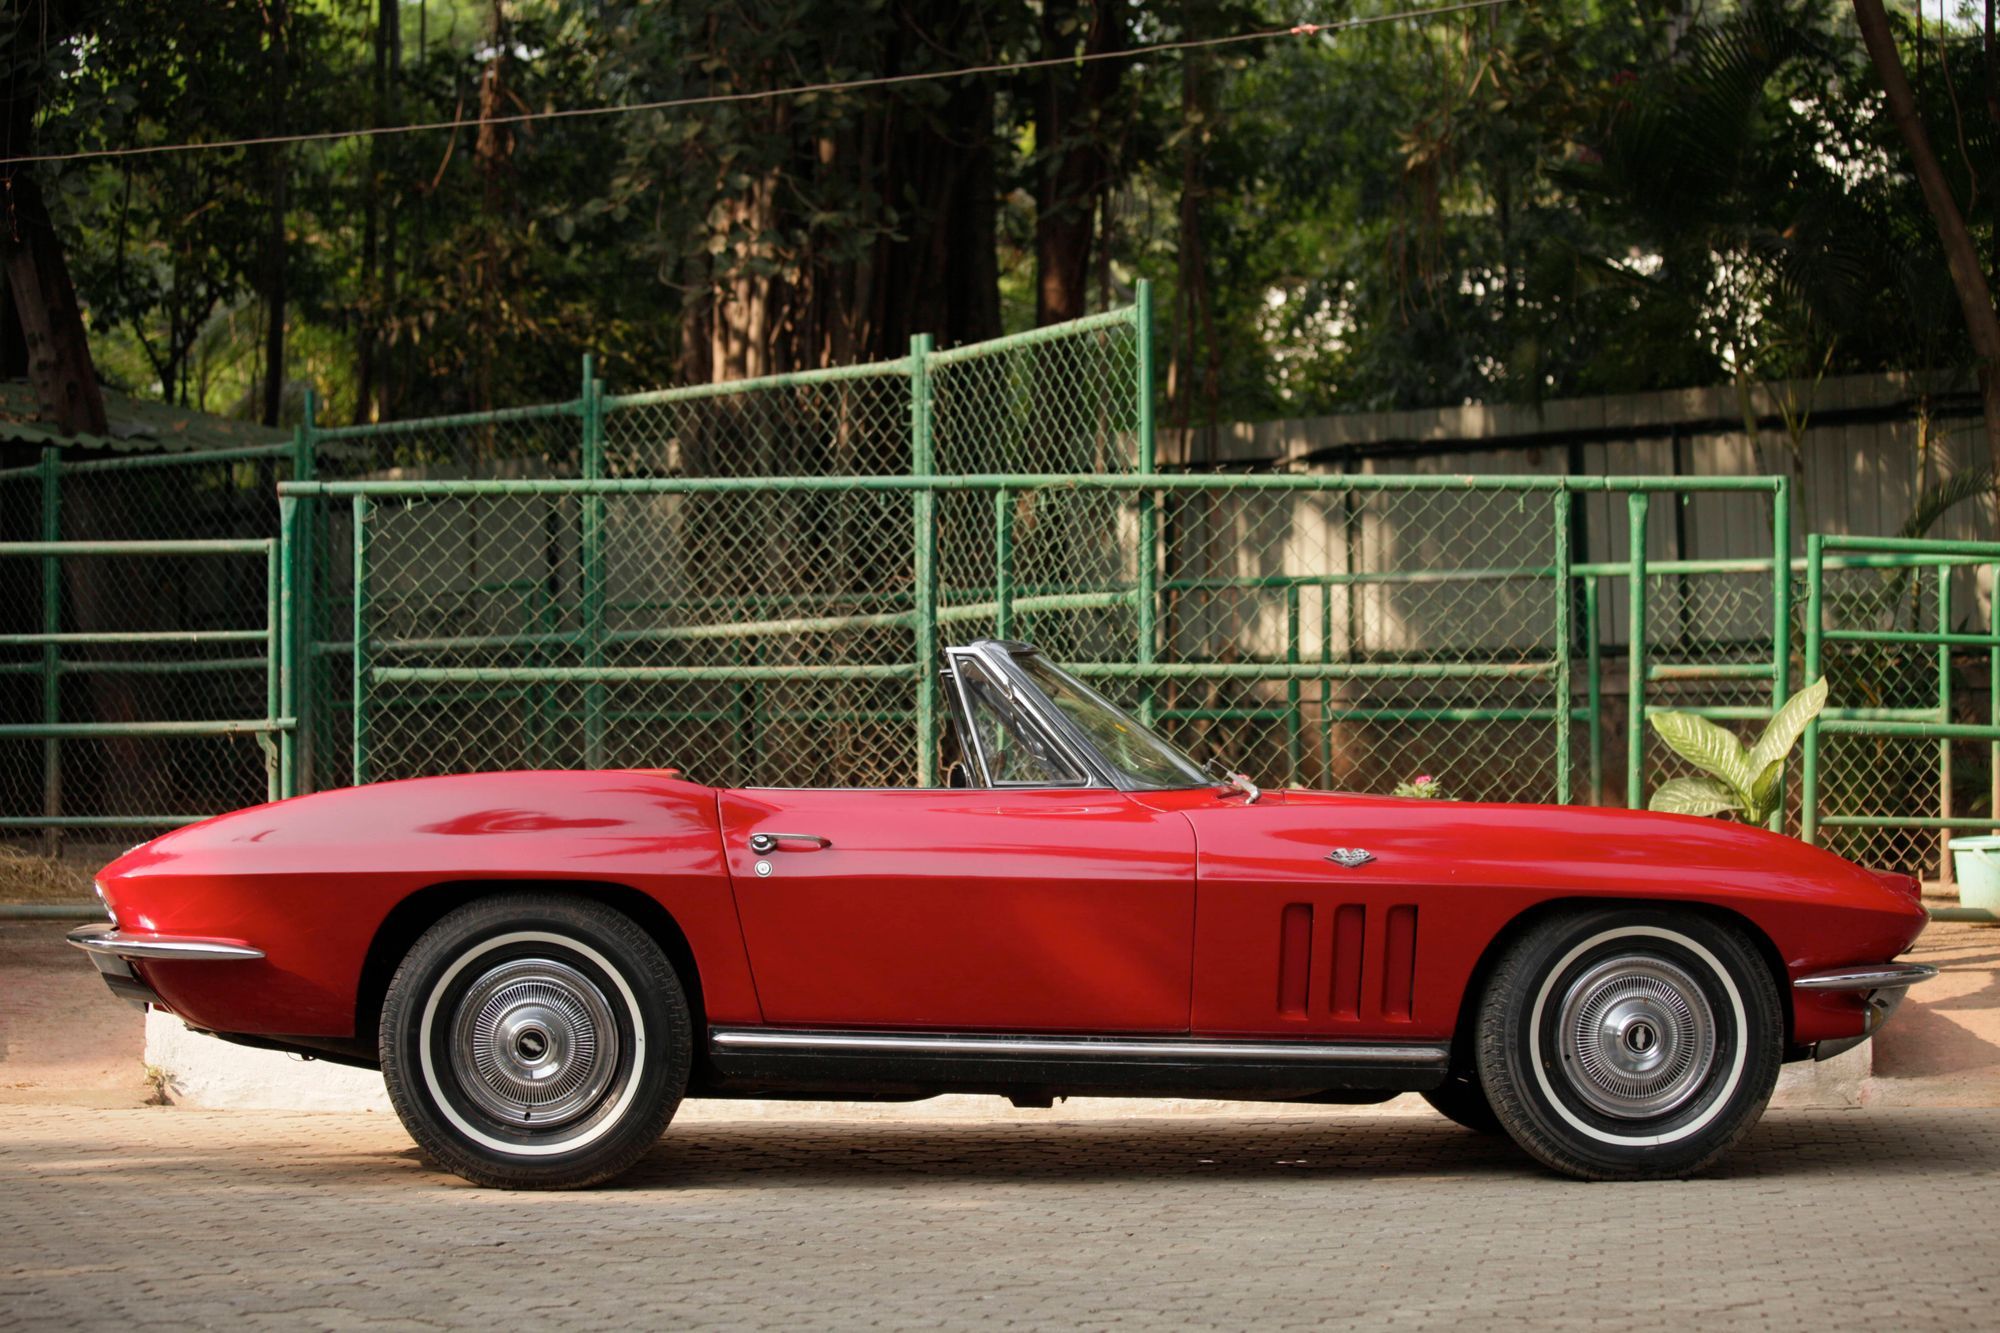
pixel 1641 1037
pixel 532 1045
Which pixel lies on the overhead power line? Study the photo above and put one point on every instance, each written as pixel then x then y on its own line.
pixel 760 95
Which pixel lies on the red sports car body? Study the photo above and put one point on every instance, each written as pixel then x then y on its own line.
pixel 1086 913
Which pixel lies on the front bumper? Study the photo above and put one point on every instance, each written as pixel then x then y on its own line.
pixel 1881 987
pixel 113 950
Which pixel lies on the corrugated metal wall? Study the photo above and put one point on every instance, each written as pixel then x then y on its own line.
pixel 1860 467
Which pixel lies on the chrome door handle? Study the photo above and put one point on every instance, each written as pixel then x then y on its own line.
pixel 761 843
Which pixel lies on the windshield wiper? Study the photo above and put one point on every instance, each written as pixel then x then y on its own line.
pixel 1234 781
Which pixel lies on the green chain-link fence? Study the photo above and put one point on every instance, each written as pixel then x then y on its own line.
pixel 752 581
pixel 806 656
pixel 1904 756
pixel 135 618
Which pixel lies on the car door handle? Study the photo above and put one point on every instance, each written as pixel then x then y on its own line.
pixel 761 843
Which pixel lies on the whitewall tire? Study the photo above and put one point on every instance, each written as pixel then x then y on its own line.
pixel 535 1041
pixel 1629 1043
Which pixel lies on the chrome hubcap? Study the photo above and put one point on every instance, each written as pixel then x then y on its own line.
pixel 534 1043
pixel 1636 1037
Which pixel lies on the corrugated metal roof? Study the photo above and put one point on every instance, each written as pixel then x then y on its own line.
pixel 133 425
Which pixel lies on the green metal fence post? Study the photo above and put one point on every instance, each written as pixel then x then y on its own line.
pixel 1294 716
pixel 1563 511
pixel 1636 505
pixel 1993 693
pixel 52 793
pixel 302 628
pixel 362 666
pixel 1944 717
pixel 1003 563
pixel 1326 703
pixel 593 563
pixel 285 643
pixel 1594 685
pixel 924 563
pixel 1145 590
pixel 1781 619
pixel 274 667
pixel 1809 754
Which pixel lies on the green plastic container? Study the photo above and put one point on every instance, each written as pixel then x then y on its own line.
pixel 1977 861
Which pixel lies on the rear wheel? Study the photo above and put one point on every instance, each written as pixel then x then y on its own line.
pixel 1629 1043
pixel 532 1041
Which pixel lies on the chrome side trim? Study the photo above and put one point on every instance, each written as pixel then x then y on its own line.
pixel 105 939
pixel 1126 1048
pixel 1872 976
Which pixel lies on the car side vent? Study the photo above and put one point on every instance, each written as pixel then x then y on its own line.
pixel 1295 933
pixel 1350 934
pixel 1399 962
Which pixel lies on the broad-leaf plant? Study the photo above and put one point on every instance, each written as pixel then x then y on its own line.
pixel 1736 780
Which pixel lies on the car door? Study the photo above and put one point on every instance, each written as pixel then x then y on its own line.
pixel 1046 909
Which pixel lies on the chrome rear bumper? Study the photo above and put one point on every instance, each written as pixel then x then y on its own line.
pixel 1882 987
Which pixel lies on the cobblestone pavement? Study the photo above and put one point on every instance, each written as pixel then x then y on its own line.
pixel 131 1217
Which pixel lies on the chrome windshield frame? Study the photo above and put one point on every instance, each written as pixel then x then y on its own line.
pixel 997 657
pixel 992 657
pixel 1030 702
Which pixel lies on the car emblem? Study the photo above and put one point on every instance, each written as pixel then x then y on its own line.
pixel 1350 856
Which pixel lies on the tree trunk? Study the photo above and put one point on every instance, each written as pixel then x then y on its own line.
pixel 493 150
pixel 1975 298
pixel 743 327
pixel 274 241
pixel 1075 165
pixel 1194 336
pixel 51 323
pixel 387 383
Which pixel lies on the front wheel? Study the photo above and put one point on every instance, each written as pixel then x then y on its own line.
pixel 1629 1043
pixel 531 1041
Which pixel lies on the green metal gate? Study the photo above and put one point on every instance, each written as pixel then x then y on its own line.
pixel 1878 770
pixel 133 786
pixel 771 670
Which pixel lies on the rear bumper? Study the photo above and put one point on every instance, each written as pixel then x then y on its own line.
pixel 1880 987
pixel 113 951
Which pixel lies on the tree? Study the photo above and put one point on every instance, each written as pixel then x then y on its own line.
pixel 1076 146
pixel 1968 278
pixel 53 348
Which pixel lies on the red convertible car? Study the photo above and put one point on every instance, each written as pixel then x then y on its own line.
pixel 543 965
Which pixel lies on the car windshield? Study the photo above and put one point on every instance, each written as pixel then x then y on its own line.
pixel 1138 753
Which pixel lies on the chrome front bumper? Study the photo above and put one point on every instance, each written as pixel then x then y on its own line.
pixel 1882 987
pixel 112 950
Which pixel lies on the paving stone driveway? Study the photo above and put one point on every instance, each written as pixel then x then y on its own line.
pixel 130 1217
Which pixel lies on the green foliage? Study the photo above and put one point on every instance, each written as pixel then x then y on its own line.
pixel 1424 788
pixel 1735 780
pixel 1516 204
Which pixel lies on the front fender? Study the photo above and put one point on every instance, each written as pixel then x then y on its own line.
pixel 311 880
